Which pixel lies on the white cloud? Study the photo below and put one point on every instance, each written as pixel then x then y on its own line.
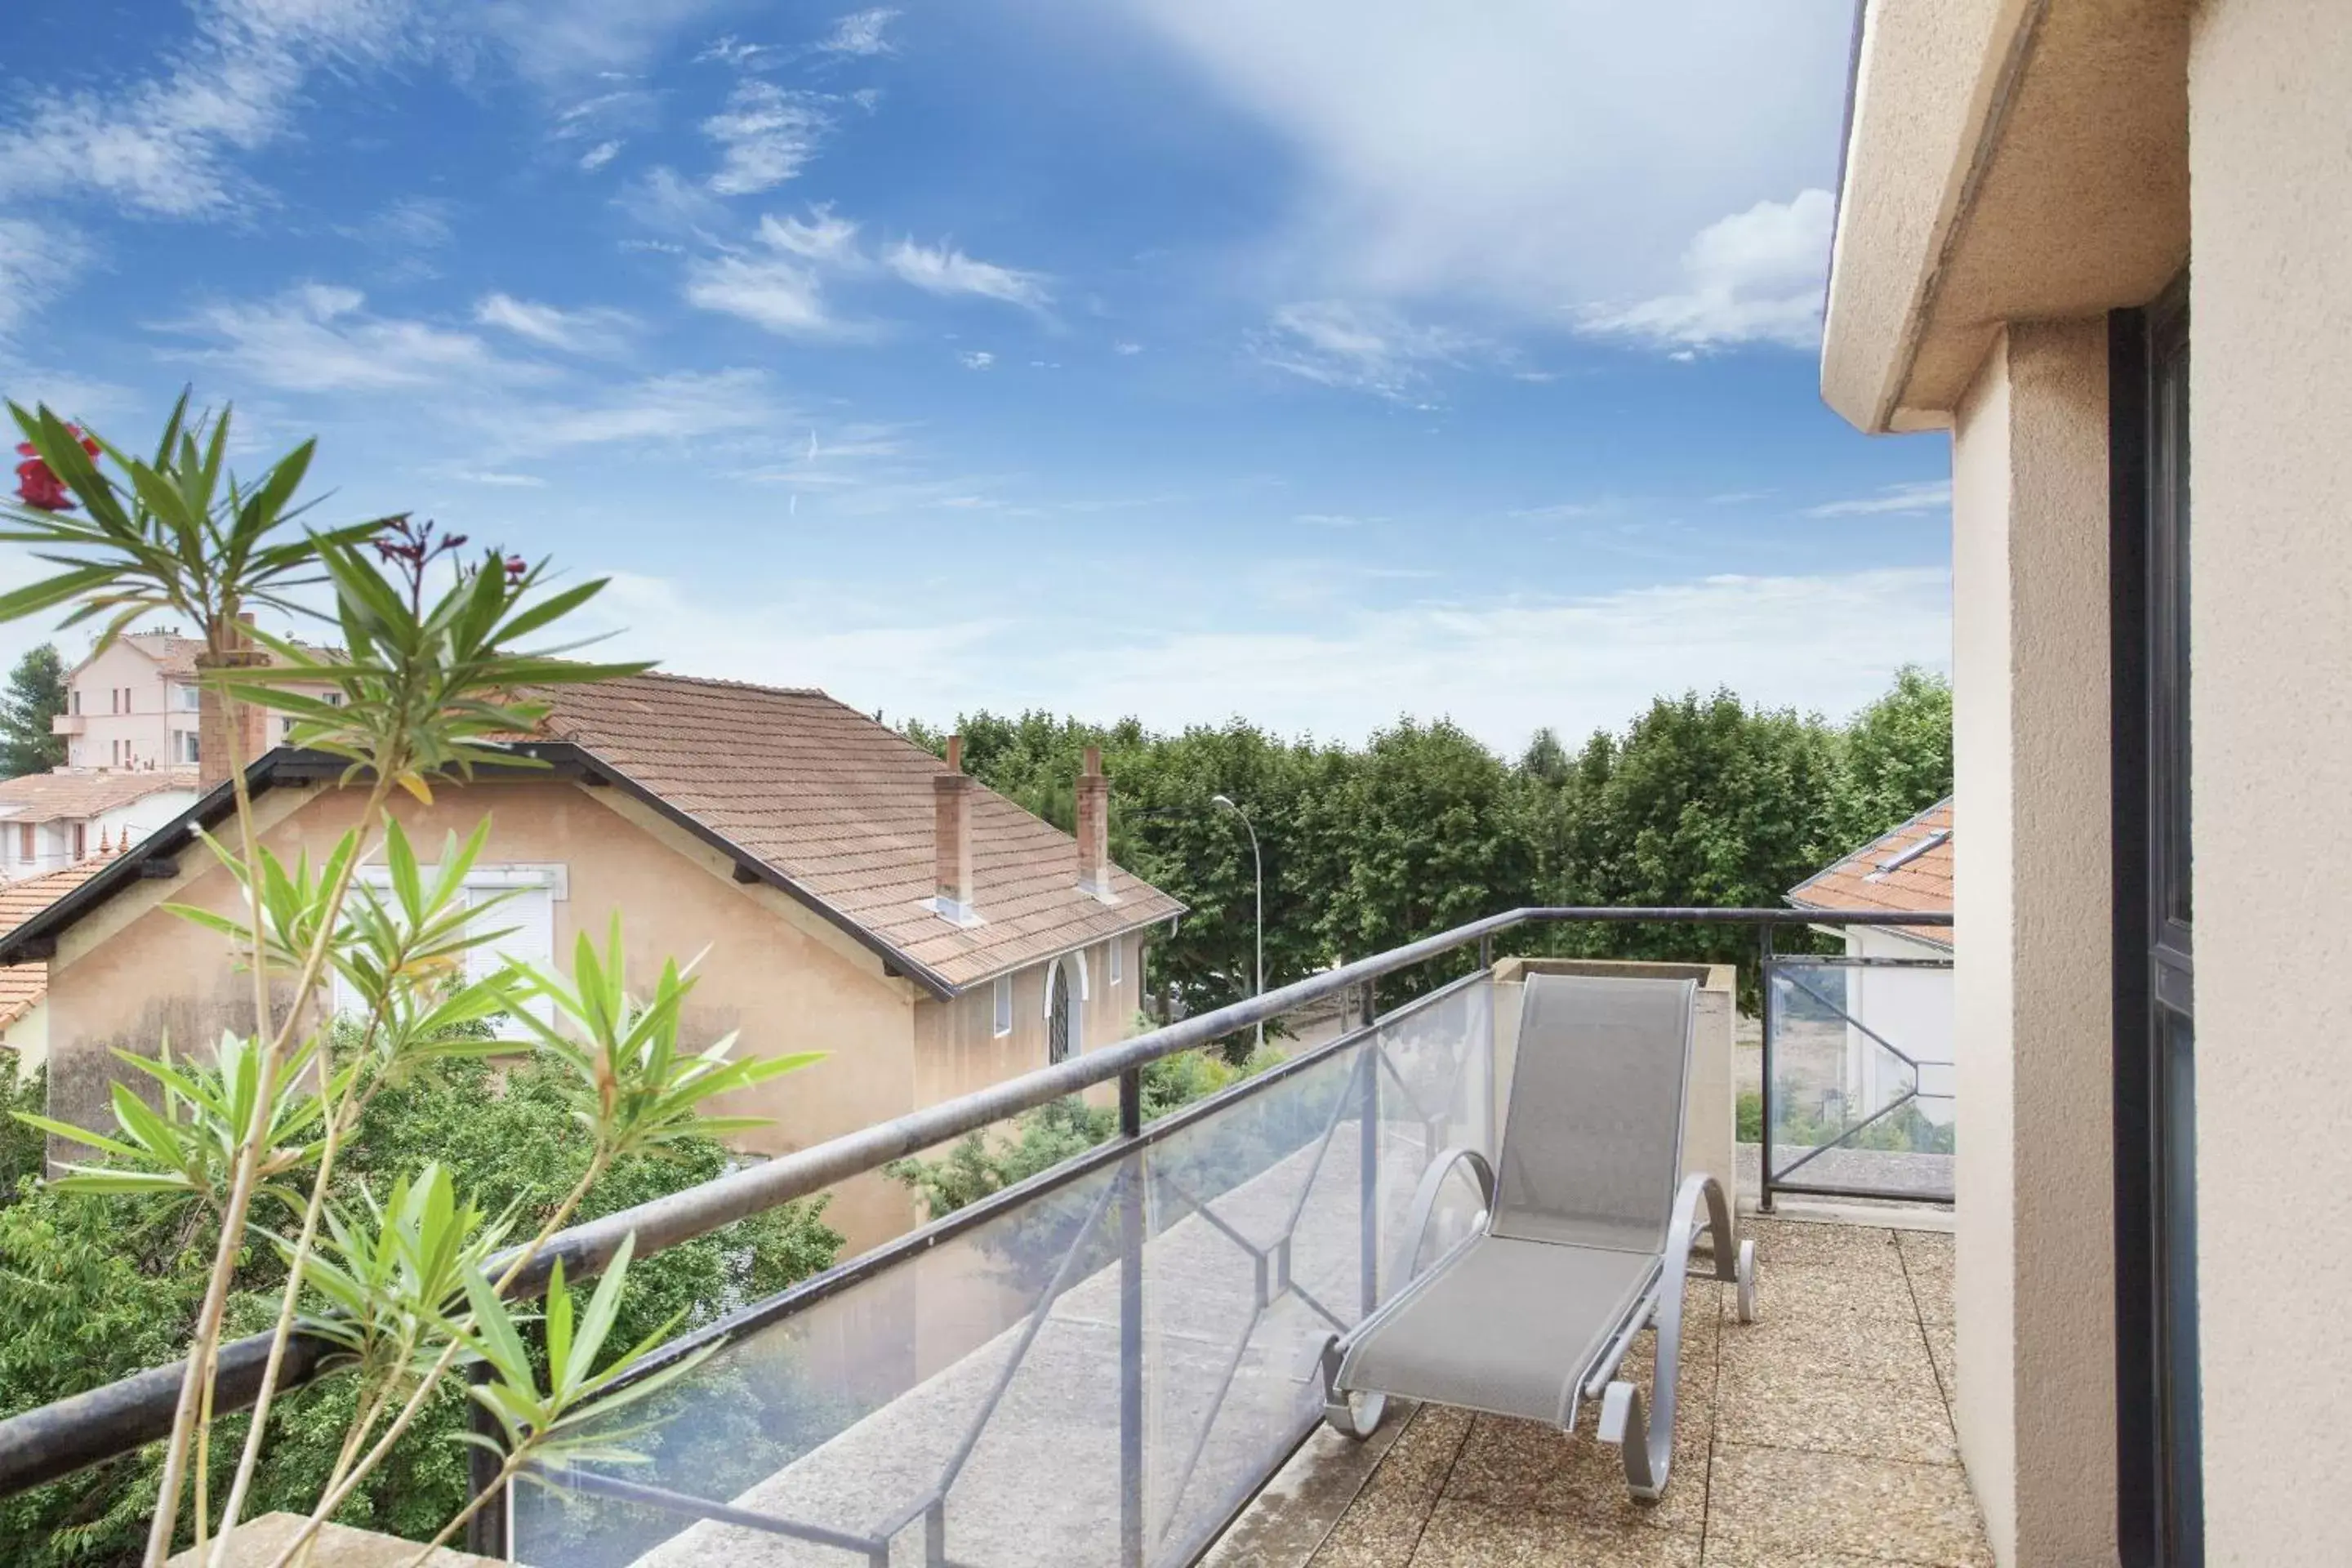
pixel 860 33
pixel 318 338
pixel 781 281
pixel 1915 496
pixel 670 409
pixel 599 155
pixel 164 144
pixel 496 478
pixel 770 291
pixel 1492 665
pixel 39 263
pixel 411 223
pixel 1360 347
pixel 1126 346
pixel 561 43
pixel 1330 520
pixel 666 201
pixel 726 49
pixel 766 136
pixel 944 271
pixel 820 237
pixel 1754 277
pixel 1561 511
pixel 1528 154
pixel 592 332
pixel 977 359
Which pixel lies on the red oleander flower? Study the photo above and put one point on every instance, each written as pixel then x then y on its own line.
pixel 38 486
pixel 515 566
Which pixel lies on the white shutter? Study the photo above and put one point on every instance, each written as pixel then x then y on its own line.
pixel 529 912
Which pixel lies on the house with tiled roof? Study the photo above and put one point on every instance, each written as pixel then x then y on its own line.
pixel 851 892
pixel 53 820
pixel 25 987
pixel 1904 1006
pixel 134 705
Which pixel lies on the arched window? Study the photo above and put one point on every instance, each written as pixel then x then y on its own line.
pixel 1062 1032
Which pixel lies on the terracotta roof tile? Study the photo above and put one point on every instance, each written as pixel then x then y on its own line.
pixel 23 985
pixel 1868 878
pixel 842 807
pixel 50 796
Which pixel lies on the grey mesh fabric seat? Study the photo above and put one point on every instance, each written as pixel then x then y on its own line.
pixel 1585 1240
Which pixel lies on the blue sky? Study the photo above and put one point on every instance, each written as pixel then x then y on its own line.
pixel 1318 361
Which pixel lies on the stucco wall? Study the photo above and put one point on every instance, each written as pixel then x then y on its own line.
pixel 958 1050
pixel 783 986
pixel 144 728
pixel 2270 629
pixel 2034 1280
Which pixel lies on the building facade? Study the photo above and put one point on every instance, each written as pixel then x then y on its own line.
pixel 135 705
pixel 801 863
pixel 53 820
pixel 2089 239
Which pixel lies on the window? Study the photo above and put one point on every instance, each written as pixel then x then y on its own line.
pixel 1117 962
pixel 189 698
pixel 1003 1001
pixel 80 839
pixel 77 700
pixel 23 841
pixel 286 728
pixel 518 900
pixel 187 742
pixel 116 751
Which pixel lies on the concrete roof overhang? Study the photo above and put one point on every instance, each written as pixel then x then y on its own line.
pixel 2005 160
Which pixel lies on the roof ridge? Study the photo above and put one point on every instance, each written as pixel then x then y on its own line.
pixel 729 684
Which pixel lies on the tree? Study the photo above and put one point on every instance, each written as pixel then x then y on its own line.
pixel 1897 756
pixel 36 694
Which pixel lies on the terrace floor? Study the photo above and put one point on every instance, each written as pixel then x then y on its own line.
pixel 1818 1436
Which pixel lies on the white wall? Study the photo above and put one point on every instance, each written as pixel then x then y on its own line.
pixel 1911 1010
pixel 2034 1277
pixel 2270 153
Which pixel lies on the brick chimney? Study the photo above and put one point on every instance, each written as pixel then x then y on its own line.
pixel 214 712
pixel 1094 828
pixel 951 838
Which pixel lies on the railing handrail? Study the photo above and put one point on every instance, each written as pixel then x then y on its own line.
pixel 41 1444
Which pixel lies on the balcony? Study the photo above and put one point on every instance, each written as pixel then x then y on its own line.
pixel 67 725
pixel 1116 1362
pixel 1107 1364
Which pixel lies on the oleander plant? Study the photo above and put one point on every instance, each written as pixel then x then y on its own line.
pixel 276 1178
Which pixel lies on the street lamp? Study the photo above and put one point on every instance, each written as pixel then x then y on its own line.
pixel 1257 864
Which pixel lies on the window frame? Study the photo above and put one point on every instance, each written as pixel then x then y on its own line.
pixel 1001 1004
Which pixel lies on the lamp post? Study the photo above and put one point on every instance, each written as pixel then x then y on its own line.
pixel 1258 866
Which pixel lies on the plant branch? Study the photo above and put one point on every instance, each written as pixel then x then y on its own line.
pixel 336 1495
pixel 203 1351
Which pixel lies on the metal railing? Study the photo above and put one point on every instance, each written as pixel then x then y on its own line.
pixel 56 1441
pixel 1857 1064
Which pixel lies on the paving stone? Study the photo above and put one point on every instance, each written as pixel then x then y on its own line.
pixel 1722 1553
pixel 1381 1528
pixel 1927 1260
pixel 1854 1345
pixel 1789 1406
pixel 1807 1244
pixel 1783 1502
pixel 1944 1348
pixel 1823 1292
pixel 1464 1534
pixel 1508 1463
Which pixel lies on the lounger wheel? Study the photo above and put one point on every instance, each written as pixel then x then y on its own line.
pixel 1357 1415
pixel 1746 1288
